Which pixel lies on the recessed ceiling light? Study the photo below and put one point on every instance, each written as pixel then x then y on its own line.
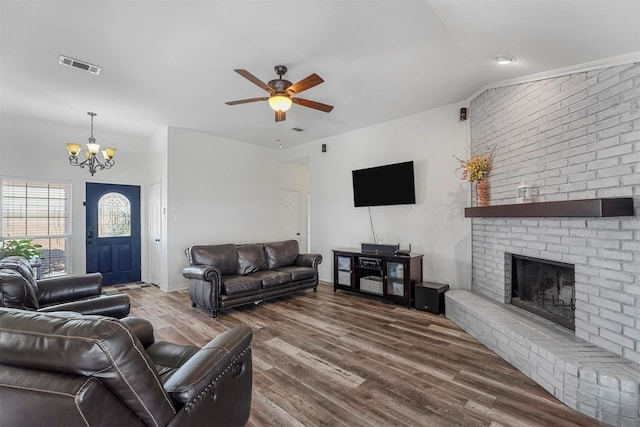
pixel 505 59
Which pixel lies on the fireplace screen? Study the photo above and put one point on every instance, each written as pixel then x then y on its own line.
pixel 546 288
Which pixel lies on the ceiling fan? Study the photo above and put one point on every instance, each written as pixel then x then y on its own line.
pixel 282 92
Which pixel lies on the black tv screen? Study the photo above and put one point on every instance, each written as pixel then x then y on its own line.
pixel 384 185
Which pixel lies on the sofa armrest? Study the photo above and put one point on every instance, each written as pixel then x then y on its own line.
pixel 208 273
pixel 216 382
pixel 116 306
pixel 69 288
pixel 308 260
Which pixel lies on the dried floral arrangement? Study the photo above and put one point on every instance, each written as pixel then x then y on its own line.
pixel 477 166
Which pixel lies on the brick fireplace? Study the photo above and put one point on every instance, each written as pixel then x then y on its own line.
pixel 570 137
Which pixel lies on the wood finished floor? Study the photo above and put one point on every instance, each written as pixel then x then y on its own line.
pixel 342 359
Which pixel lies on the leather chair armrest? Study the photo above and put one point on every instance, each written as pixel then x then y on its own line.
pixel 69 288
pixel 116 306
pixel 141 328
pixel 208 273
pixel 216 382
pixel 308 260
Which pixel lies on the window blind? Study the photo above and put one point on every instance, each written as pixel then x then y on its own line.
pixel 40 211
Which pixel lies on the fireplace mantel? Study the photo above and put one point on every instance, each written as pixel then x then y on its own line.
pixel 596 208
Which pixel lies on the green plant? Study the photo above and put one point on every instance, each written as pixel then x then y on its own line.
pixel 23 248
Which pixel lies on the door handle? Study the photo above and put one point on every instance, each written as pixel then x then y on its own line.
pixel 157 240
pixel 89 241
pixel 297 234
pixel 90 234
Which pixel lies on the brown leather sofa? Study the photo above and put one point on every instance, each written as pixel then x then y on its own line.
pixel 66 369
pixel 81 294
pixel 224 276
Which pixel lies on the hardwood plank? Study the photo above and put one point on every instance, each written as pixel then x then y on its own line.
pixel 346 360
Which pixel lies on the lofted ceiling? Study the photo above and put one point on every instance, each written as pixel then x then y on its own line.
pixel 171 62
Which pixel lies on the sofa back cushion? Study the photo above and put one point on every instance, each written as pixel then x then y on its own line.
pixel 22 266
pixel 223 257
pixel 90 346
pixel 281 254
pixel 15 291
pixel 251 258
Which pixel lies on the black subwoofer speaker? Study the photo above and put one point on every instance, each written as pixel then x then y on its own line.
pixel 429 296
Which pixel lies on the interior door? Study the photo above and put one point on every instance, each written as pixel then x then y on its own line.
pixel 155 233
pixel 113 232
pixel 290 215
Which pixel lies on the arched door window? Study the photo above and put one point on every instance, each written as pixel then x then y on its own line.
pixel 114 216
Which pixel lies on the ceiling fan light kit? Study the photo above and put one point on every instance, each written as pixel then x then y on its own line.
pixel 280 103
pixel 282 92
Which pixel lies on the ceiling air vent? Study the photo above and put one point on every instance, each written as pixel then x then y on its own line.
pixel 70 62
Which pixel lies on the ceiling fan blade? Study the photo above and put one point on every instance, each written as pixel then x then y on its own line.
pixel 306 83
pixel 245 101
pixel 253 79
pixel 312 104
pixel 281 116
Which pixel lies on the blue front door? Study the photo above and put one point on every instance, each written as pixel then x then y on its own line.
pixel 113 232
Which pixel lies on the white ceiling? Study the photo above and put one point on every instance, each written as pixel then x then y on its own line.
pixel 170 63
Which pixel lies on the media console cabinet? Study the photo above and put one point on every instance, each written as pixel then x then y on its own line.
pixel 386 275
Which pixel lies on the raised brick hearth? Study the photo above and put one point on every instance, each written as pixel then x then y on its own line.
pixel 570 137
pixel 584 376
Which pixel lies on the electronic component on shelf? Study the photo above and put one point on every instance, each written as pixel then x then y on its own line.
pixel 370 262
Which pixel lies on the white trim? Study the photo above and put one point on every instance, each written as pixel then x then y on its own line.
pixel 629 58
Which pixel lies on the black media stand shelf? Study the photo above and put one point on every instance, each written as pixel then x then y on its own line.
pixel 595 208
pixel 386 275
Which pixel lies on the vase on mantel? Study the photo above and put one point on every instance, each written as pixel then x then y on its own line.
pixel 482 193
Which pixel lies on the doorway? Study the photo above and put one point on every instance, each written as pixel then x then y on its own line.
pixel 113 232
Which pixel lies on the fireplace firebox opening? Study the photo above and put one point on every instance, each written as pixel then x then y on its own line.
pixel 545 288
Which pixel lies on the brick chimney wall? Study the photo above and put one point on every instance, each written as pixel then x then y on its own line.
pixel 570 137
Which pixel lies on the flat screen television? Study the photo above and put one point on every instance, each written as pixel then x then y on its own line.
pixel 384 185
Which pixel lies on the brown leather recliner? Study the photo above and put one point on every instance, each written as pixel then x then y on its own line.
pixel 67 369
pixel 81 293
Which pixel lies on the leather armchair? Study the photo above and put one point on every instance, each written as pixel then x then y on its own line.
pixel 82 293
pixel 68 369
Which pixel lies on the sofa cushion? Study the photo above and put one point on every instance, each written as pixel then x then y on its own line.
pixel 15 291
pixel 251 258
pixel 270 278
pixel 223 257
pixel 298 272
pixel 22 266
pixel 280 254
pixel 235 284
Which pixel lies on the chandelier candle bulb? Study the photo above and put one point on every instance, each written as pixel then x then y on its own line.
pixel 93 148
pixel 74 149
pixel 109 153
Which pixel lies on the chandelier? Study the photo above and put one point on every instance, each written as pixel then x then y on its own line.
pixel 91 153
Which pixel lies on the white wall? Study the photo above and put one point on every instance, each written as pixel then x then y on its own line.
pixel 35 149
pixel 435 226
pixel 219 191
